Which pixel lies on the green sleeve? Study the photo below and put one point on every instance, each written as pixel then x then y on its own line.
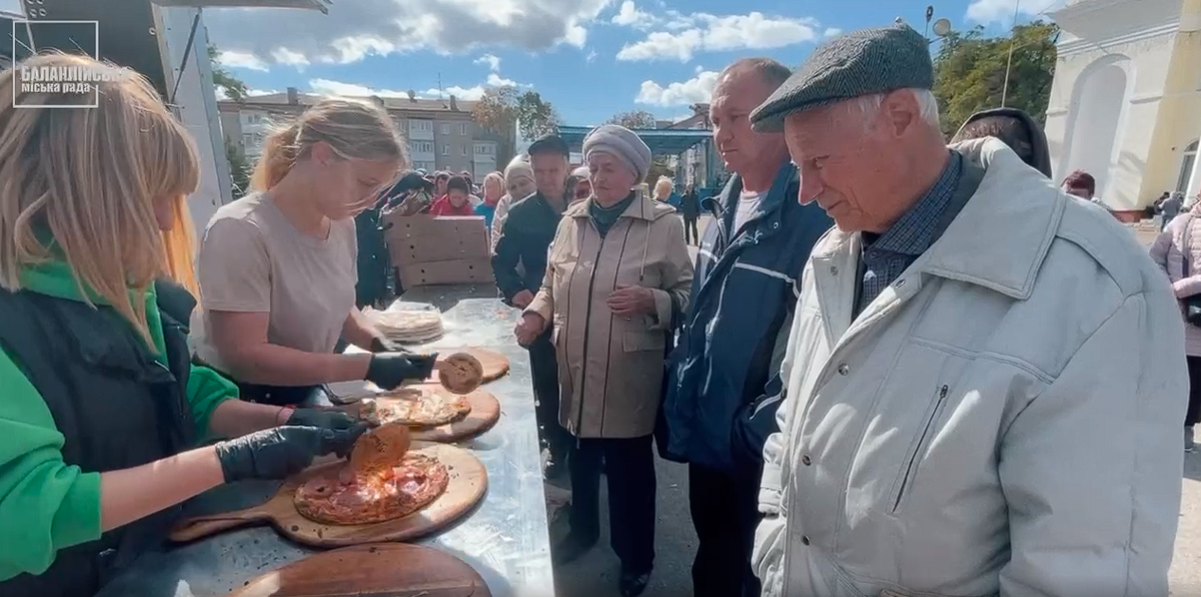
pixel 207 389
pixel 45 505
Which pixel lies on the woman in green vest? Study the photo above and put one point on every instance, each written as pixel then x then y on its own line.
pixel 101 409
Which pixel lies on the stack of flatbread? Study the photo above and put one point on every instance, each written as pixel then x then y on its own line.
pixel 408 327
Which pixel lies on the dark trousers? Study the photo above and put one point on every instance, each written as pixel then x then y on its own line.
pixel 690 232
pixel 1193 414
pixel 629 465
pixel 544 369
pixel 725 512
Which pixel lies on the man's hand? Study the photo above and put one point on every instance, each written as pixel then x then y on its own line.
pixel 390 369
pixel 529 328
pixel 627 301
pixel 283 451
pixel 523 299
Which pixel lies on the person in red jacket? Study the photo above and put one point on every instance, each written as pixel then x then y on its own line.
pixel 456 200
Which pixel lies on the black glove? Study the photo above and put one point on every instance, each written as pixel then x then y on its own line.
pixel 385 345
pixel 389 369
pixel 322 419
pixel 282 451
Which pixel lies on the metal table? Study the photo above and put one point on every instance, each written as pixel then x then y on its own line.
pixel 505 539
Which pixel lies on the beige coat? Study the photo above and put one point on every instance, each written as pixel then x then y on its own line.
pixel 610 367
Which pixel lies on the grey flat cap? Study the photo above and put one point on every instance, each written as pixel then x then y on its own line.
pixel 862 62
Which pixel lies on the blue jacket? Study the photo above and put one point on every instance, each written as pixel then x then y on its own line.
pixel 723 384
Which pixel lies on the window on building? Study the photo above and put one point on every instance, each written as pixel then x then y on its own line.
pixel 445 129
pixel 421 147
pixel 463 129
pixel 463 150
pixel 423 126
pixel 1188 161
pixel 445 150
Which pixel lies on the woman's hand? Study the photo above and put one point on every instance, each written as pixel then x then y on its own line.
pixel 283 451
pixel 321 419
pixel 631 300
pixel 529 328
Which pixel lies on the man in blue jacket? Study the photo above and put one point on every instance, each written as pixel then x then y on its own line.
pixel 723 386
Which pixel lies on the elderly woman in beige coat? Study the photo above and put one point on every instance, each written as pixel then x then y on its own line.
pixel 618 275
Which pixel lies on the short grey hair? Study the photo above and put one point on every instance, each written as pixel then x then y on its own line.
pixel 771 71
pixel 865 106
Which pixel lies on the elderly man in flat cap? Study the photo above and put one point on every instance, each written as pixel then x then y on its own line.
pixel 985 381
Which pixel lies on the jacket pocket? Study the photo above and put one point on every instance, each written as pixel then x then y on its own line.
pixel 643 340
pixel 912 459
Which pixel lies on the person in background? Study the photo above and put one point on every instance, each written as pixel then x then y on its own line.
pixel 1082 184
pixel 494 189
pixel 412 194
pixel 103 410
pixel 524 239
pixel 475 190
pixel 690 208
pixel 612 315
pixel 570 185
pixel 1170 208
pixel 373 262
pixel 722 389
pixel 456 201
pixel 277 267
pixel 1177 250
pixel 1016 129
pixel 583 187
pixel 663 191
pixel 962 338
pixel 519 184
pixel 440 180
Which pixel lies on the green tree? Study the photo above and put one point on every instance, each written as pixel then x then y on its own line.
pixel 235 88
pixel 969 72
pixel 637 119
pixel 239 169
pixel 503 110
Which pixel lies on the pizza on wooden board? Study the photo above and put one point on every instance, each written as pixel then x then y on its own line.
pixel 380 483
pixel 460 373
pixel 415 407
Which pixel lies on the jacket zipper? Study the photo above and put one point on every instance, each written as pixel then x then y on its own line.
pixel 587 328
pixel 909 468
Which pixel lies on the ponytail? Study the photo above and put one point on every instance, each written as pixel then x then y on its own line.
pixel 280 151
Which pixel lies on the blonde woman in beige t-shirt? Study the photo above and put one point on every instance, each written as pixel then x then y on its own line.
pixel 277 267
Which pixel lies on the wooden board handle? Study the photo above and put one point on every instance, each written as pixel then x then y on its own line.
pixel 204 526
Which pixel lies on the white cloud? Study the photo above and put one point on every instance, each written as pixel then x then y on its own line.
pixel 712 33
pixel 290 58
pixel 698 89
pixel 356 29
pixel 1001 11
pixel 241 60
pixel 328 87
pixel 492 61
pixel 629 16
pixel 832 32
pixel 495 80
pixel 591 56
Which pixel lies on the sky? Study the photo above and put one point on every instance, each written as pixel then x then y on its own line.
pixel 590 58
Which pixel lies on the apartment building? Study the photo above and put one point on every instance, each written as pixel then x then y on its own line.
pixel 440 132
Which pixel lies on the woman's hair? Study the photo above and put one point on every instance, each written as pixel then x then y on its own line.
pixel 497 178
pixel 663 187
pixel 80 184
pixel 179 248
pixel 352 129
pixel 458 183
pixel 1012 131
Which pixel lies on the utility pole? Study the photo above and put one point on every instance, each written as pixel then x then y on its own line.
pixel 1009 61
pixel 439 85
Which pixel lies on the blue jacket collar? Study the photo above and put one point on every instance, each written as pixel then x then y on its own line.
pixel 723 205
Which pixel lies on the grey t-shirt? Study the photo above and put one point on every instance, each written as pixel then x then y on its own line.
pixel 253 260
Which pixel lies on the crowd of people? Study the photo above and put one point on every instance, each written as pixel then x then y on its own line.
pixel 896 366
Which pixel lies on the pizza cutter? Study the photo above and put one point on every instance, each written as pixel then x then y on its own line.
pixel 461 373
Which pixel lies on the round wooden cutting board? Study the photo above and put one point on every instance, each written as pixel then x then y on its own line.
pixel 496 365
pixel 380 570
pixel 468 483
pixel 485 413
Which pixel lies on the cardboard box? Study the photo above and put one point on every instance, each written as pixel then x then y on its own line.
pixel 439 250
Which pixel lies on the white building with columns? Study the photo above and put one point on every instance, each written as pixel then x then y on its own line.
pixel 1125 104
